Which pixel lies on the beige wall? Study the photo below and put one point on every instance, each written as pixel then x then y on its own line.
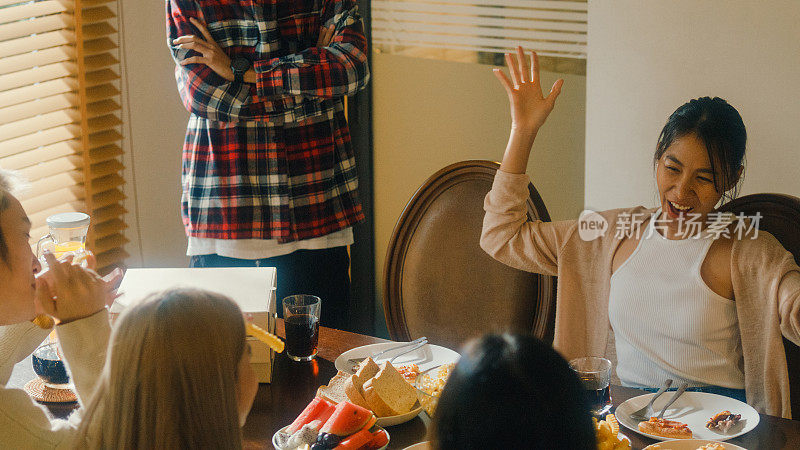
pixel 153 137
pixel 428 114
pixel 646 58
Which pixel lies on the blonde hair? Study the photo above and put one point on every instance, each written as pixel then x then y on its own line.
pixel 170 378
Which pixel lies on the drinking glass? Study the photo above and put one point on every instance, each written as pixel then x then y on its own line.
pixel 301 320
pixel 595 374
pixel 67 236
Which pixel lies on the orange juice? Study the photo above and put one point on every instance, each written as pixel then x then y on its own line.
pixel 65 248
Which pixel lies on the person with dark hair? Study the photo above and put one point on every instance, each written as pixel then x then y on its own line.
pixel 511 391
pixel 688 293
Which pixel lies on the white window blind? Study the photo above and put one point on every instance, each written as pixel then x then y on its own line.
pixel 59 114
pixel 555 29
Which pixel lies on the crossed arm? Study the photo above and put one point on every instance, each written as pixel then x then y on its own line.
pixel 336 67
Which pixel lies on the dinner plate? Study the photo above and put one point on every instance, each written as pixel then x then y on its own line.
pixel 694 409
pixel 276 438
pixel 426 445
pixel 689 444
pixel 426 357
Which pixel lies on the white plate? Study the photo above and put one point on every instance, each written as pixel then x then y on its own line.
pixel 694 409
pixel 426 357
pixel 275 438
pixel 420 446
pixel 690 444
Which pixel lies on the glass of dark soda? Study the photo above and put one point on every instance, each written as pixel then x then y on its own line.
pixel 301 320
pixel 595 374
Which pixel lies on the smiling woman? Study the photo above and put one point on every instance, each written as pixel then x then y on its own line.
pixel 705 304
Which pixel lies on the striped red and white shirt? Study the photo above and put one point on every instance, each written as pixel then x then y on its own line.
pixel 271 160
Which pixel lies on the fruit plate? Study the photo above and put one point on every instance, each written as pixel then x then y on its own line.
pixel 689 444
pixel 694 409
pixel 426 357
pixel 276 438
pixel 390 421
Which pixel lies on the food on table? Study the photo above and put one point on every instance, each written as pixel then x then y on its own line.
pixel 334 390
pixel 381 389
pixel 323 426
pixel 272 341
pixel 430 384
pixel 318 409
pixel 347 419
pixel 388 393
pixel 712 446
pixel 354 385
pixel 409 371
pixel 666 428
pixel 607 432
pixel 723 421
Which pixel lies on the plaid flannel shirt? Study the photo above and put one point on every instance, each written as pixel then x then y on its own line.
pixel 271 160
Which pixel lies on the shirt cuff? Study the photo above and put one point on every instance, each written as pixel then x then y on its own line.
pixel 269 78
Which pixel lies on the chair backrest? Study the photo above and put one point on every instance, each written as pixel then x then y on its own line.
pixel 780 216
pixel 439 283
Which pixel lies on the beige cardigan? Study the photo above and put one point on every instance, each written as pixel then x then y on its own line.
pixel 766 284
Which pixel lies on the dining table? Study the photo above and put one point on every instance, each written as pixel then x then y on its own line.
pixel 294 385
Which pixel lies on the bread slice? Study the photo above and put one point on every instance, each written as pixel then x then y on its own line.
pixel 388 393
pixel 335 389
pixel 354 386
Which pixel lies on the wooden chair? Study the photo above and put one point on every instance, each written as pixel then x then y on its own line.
pixel 780 216
pixel 439 283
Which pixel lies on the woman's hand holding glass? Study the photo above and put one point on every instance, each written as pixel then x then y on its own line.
pixel 70 292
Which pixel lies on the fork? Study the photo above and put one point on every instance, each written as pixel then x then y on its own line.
pixel 672 400
pixel 647 412
pixel 354 362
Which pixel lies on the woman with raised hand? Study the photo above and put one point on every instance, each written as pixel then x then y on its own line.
pixel 75 296
pixel 674 292
pixel 178 376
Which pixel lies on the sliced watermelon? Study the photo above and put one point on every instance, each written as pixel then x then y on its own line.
pixel 379 439
pixel 355 441
pixel 347 419
pixel 316 408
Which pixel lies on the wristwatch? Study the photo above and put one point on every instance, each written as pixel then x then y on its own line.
pixel 240 65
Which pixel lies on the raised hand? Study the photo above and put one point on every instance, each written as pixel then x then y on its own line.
pixel 212 54
pixel 529 108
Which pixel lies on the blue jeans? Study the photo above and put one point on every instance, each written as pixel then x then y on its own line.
pixel 738 394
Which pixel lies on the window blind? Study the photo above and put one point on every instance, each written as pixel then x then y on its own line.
pixel 60 115
pixel 450 29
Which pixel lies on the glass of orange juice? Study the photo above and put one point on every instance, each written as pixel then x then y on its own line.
pixel 67 236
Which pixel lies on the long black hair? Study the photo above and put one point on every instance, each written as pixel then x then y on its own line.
pixel 721 129
pixel 512 391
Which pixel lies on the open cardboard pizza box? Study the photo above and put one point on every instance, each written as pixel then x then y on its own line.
pixel 253 288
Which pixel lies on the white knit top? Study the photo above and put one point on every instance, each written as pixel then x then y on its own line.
pixel 667 322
